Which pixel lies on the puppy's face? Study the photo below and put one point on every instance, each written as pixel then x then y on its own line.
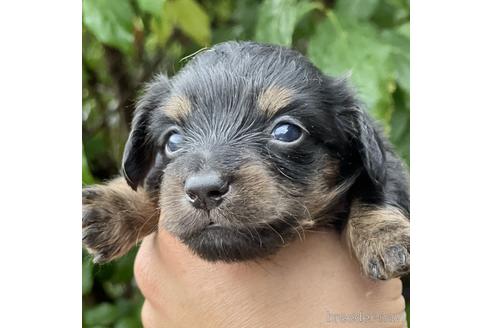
pixel 247 146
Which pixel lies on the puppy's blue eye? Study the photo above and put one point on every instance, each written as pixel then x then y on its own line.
pixel 286 132
pixel 174 142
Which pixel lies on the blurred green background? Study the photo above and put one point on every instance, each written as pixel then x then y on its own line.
pixel 125 42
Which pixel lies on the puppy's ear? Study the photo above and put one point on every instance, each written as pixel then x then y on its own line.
pixel 370 148
pixel 358 135
pixel 365 142
pixel 140 151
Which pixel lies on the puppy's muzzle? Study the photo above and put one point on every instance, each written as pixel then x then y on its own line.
pixel 206 190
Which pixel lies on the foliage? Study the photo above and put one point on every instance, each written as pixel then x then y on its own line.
pixel 278 19
pixel 126 42
pixel 110 296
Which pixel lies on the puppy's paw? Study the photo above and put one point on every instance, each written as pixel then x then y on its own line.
pixel 379 238
pixel 97 233
pixel 393 261
pixel 91 194
pixel 104 233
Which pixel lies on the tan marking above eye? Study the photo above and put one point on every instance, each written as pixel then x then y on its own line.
pixel 274 98
pixel 177 107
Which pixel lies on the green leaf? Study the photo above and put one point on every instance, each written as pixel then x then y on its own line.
pixel 101 314
pixel 278 19
pixel 358 9
pixel 162 27
pixel 87 277
pixel 110 21
pixel 342 45
pixel 391 13
pixel 400 124
pixel 153 7
pixel 128 322
pixel 87 177
pixel 246 15
pixel 191 18
pixel 114 290
pixel 401 137
pixel 123 267
pixel 400 42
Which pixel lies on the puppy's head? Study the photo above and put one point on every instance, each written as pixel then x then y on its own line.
pixel 248 145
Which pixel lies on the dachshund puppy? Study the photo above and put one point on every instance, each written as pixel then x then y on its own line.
pixel 248 146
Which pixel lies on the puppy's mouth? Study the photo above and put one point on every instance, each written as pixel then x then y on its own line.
pixel 226 243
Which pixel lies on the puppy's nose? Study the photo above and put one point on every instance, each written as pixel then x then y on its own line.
pixel 206 190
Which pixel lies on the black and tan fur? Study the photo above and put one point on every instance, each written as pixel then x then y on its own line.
pixel 115 217
pixel 342 174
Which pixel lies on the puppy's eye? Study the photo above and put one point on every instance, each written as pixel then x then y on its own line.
pixel 173 143
pixel 286 132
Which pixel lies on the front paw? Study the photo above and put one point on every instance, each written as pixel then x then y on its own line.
pixel 387 262
pixel 379 238
pixel 95 237
pixel 101 226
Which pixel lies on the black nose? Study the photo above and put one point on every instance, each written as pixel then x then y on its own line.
pixel 206 190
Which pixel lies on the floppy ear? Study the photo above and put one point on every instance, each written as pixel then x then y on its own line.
pixel 361 141
pixel 370 148
pixel 365 142
pixel 140 151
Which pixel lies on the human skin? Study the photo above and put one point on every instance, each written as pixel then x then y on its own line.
pixel 308 283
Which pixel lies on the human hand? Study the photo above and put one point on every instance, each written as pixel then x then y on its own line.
pixel 309 283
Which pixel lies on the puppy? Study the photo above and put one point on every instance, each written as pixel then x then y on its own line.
pixel 248 146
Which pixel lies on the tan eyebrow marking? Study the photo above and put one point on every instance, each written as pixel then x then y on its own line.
pixel 177 107
pixel 274 98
